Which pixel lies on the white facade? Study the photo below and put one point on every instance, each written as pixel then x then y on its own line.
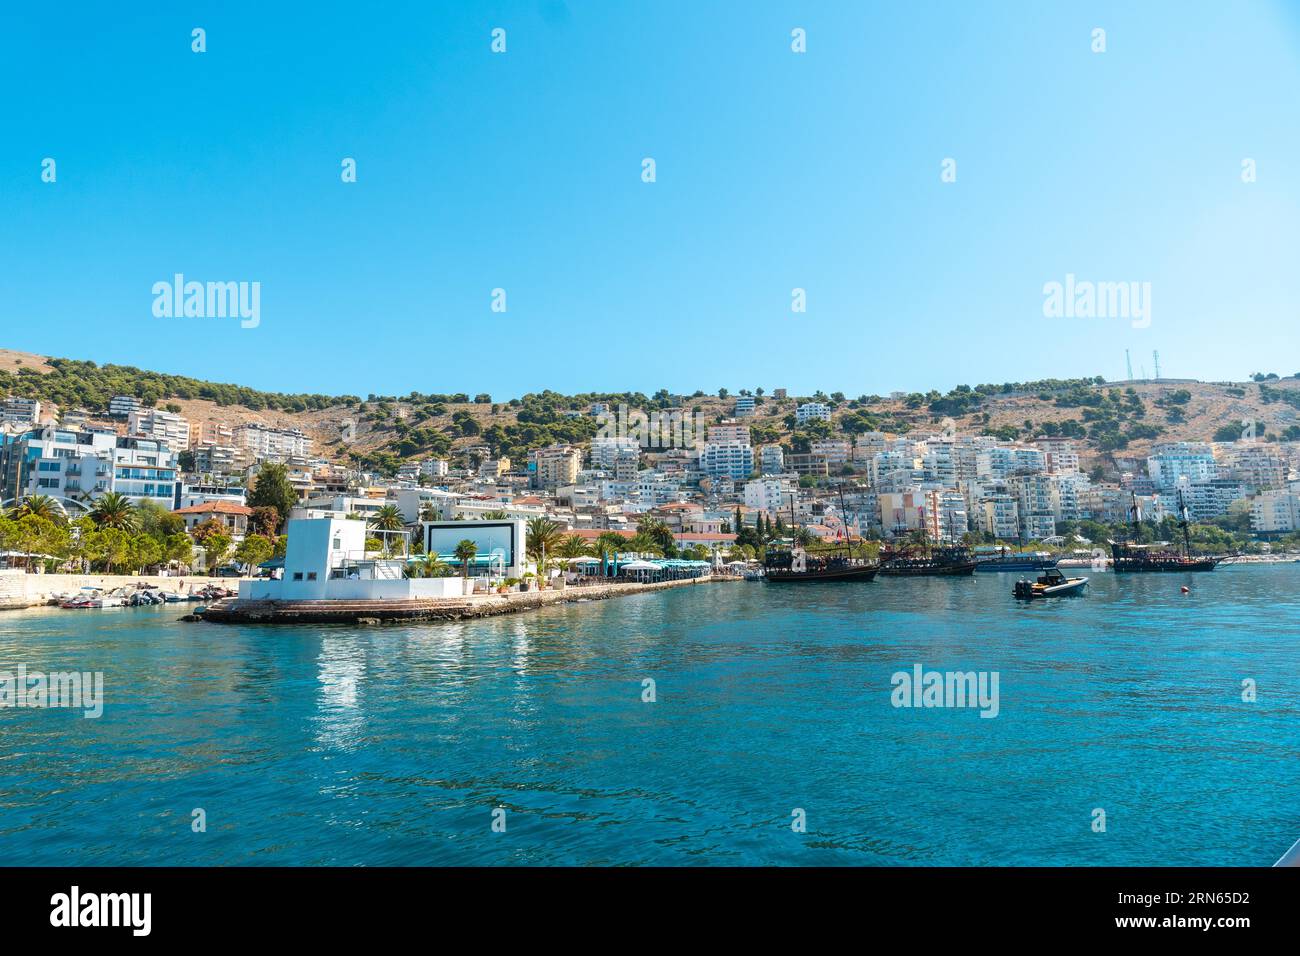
pixel 163 425
pixel 812 411
pixel 1275 512
pixel 734 460
pixel 771 460
pixel 1191 460
pixel 265 443
pixel 21 411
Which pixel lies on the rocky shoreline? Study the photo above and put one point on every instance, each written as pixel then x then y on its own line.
pixel 236 611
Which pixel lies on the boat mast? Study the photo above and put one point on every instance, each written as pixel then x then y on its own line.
pixel 844 512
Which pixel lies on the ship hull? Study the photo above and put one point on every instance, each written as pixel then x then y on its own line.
pixel 945 570
pixel 834 574
pixel 1124 566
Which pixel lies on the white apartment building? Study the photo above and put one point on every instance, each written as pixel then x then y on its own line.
pixel 1059 455
pixel 1275 511
pixel 734 460
pixel 554 466
pixel 771 459
pixel 728 431
pixel 772 495
pixel 1257 466
pixel 163 425
pixel 835 451
pixel 85 465
pixel 433 468
pixel 21 411
pixel 120 406
pixel 265 443
pixel 1003 461
pixel 605 451
pixel 1191 460
pixel 812 411
pixel 744 406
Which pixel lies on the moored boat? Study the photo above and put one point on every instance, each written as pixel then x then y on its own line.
pixel 1050 584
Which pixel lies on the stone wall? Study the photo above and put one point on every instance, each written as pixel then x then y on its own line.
pixel 20 589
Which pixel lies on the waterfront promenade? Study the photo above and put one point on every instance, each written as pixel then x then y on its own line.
pixel 19 589
pixel 238 611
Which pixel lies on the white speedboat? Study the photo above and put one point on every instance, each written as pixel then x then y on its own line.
pixel 1051 584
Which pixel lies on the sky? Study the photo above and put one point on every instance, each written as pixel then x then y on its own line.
pixel 774 171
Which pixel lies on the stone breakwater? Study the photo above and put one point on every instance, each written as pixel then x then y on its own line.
pixel 236 611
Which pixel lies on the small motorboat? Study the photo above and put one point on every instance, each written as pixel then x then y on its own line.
pixel 1051 584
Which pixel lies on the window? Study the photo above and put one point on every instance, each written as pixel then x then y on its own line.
pixel 311 575
pixel 297 575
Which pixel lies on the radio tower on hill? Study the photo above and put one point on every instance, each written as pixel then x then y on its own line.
pixel 1128 360
pixel 1155 357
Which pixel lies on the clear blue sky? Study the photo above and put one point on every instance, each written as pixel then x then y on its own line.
pixel 775 171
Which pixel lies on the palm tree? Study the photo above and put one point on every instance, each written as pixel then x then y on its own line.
pixel 114 510
pixel 42 506
pixel 803 537
pixel 388 518
pixel 465 552
pixel 544 537
pixel 573 547
pixel 431 566
pixel 497 515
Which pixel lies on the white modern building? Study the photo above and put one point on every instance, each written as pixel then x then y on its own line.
pixel 1191 460
pixel 734 460
pixel 163 425
pixel 21 411
pixel 812 411
pixel 265 443
pixel 326 560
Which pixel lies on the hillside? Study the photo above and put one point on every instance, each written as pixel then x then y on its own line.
pixel 1118 419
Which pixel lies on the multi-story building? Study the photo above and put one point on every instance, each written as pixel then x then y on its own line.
pixel 1038 498
pixel 218 459
pixel 811 465
pixel 265 443
pixel 1000 517
pixel 1207 499
pixel 728 431
pixel 1003 461
pixel 605 451
pixel 120 406
pixel 835 451
pixel 773 495
pixel 554 466
pixel 1275 511
pixel 1191 460
pixel 163 425
pixel 1257 466
pixel 213 433
pixel 744 406
pixel 732 459
pixel 21 411
pixel 433 468
pixel 771 459
pixel 1059 455
pixel 812 412
pixel 85 465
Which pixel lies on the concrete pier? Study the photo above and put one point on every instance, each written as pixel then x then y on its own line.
pixel 238 611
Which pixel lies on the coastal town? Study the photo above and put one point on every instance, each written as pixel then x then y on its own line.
pixel 135 487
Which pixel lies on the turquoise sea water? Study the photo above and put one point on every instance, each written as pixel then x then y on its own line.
pixel 344 746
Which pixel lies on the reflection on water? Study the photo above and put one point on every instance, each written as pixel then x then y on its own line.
pixel 391 745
